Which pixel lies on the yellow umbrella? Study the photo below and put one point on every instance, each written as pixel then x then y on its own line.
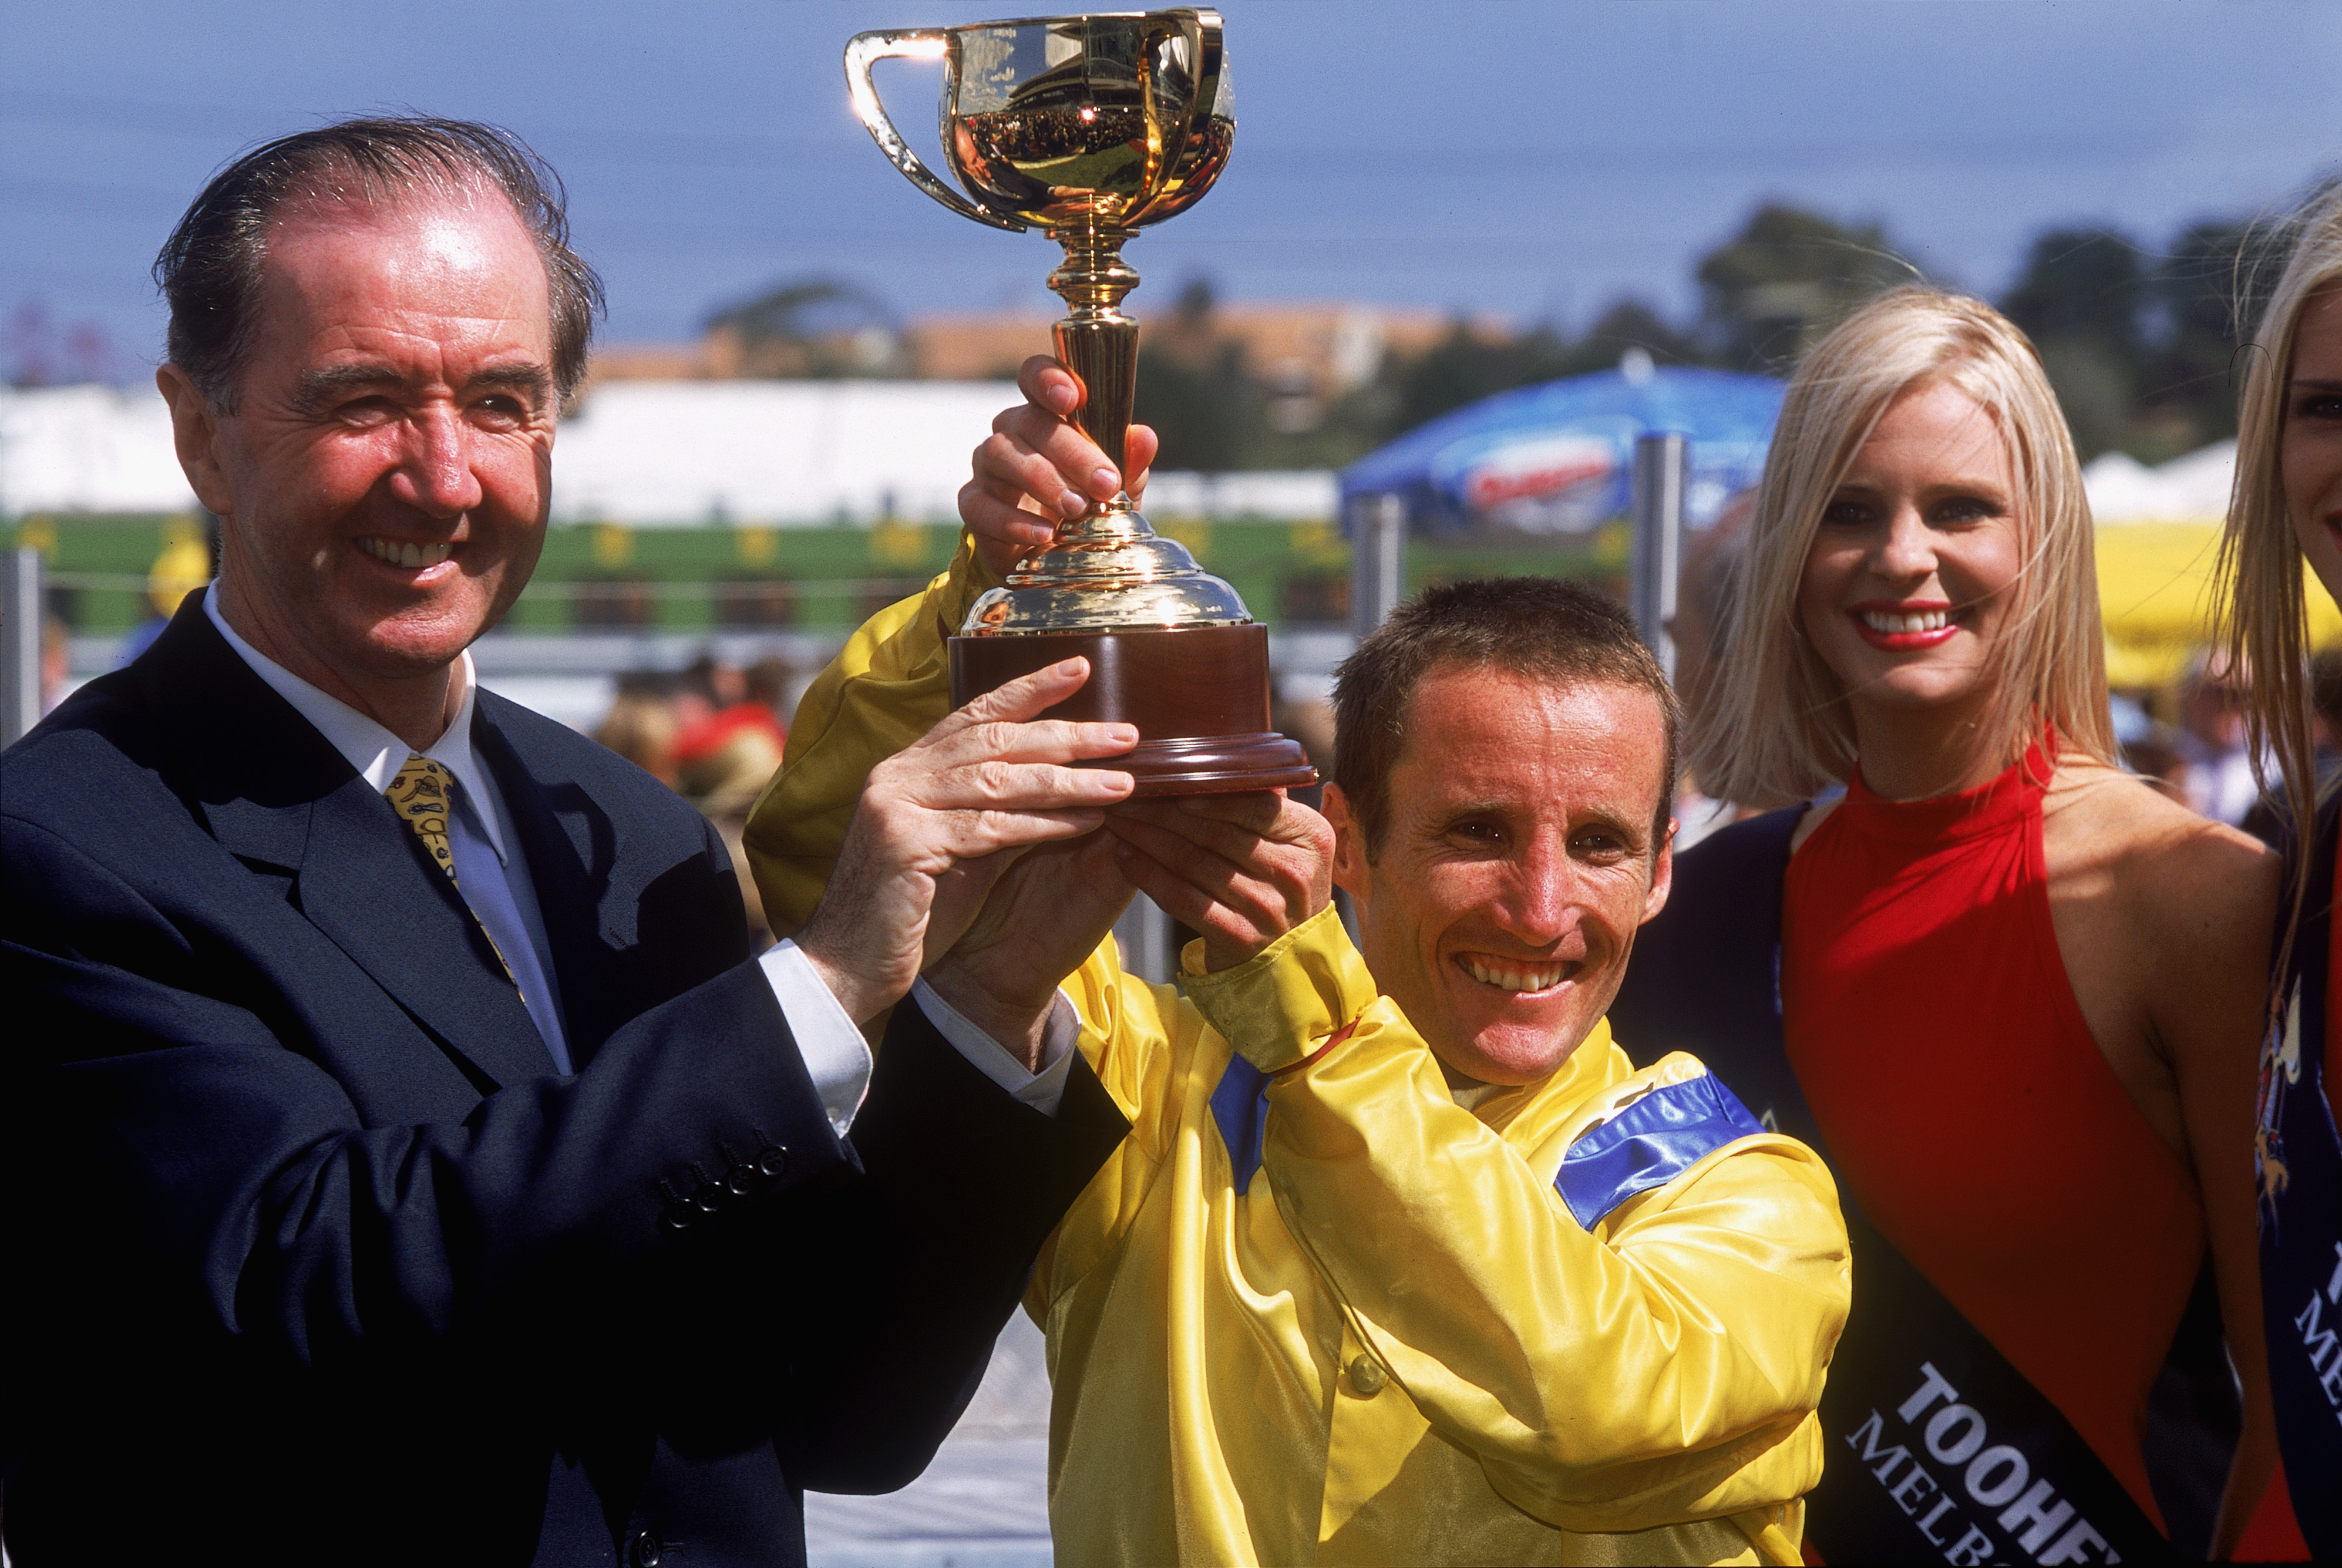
pixel 2155 590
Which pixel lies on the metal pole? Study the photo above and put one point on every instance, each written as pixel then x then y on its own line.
pixel 1144 935
pixel 20 643
pixel 1660 462
pixel 1377 560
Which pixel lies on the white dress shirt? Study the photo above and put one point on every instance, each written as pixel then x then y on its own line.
pixel 493 877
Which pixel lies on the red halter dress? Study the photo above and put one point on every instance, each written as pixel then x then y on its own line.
pixel 1970 1111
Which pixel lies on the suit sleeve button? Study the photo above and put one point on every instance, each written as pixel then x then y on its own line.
pixel 772 1160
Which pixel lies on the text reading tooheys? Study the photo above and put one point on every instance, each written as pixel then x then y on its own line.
pixel 1981 1484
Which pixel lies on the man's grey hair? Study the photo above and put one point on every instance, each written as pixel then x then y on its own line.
pixel 210 269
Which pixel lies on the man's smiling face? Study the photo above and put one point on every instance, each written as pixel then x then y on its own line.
pixel 386 475
pixel 1514 867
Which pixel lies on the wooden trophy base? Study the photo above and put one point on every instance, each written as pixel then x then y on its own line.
pixel 1199 695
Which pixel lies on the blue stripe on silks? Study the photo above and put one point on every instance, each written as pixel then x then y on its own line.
pixel 1240 1106
pixel 1650 1143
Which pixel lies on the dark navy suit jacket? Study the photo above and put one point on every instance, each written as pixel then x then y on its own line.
pixel 312 1257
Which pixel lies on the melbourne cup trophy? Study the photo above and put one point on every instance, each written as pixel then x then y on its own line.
pixel 1090 128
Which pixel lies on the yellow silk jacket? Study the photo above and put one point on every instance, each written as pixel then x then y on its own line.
pixel 1314 1311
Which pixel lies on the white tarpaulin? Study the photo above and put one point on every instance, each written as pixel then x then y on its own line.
pixel 653 453
pixel 646 454
pixel 89 449
pixel 2187 489
pixel 1301 495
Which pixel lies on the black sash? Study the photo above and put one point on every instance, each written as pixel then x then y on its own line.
pixel 2298 1157
pixel 1938 1450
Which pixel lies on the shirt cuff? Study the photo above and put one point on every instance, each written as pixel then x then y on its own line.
pixel 1279 1006
pixel 1041 1090
pixel 836 1057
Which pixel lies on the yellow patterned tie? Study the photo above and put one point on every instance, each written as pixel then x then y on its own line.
pixel 420 795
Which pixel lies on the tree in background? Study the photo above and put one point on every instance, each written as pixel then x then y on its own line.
pixel 2189 393
pixel 815 327
pixel 1474 362
pixel 2081 285
pixel 2080 299
pixel 1196 390
pixel 1766 293
pixel 2140 347
pixel 1630 323
pixel 1770 292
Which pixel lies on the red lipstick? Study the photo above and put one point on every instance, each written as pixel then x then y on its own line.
pixel 1909 624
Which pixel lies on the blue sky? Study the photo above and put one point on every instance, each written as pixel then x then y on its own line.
pixel 1514 156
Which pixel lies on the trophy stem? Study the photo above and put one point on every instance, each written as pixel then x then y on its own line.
pixel 1106 567
pixel 1101 345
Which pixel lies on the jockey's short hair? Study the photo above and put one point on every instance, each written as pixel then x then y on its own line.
pixel 1540 628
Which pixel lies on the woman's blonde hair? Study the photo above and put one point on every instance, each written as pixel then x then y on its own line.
pixel 1783 727
pixel 2263 621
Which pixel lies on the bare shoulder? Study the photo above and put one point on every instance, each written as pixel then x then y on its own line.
pixel 2110 835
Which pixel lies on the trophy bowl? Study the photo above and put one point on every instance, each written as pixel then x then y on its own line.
pixel 1090 128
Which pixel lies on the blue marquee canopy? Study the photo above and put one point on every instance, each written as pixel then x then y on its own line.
pixel 1559 458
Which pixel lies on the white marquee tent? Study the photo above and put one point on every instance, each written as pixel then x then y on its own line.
pixel 2190 489
pixel 89 449
pixel 643 454
pixel 647 453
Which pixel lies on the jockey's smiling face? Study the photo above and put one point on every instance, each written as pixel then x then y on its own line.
pixel 1516 864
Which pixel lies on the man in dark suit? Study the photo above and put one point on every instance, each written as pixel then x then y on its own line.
pixel 405 1160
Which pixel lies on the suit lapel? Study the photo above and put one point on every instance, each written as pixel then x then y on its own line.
pixel 366 883
pixel 564 889
pixel 276 794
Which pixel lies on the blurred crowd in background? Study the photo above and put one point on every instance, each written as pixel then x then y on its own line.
pixel 711 732
pixel 715 731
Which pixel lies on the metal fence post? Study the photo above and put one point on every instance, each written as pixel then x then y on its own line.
pixel 1377 560
pixel 1144 935
pixel 20 643
pixel 1660 462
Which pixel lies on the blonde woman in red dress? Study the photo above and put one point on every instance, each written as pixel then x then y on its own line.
pixel 2016 992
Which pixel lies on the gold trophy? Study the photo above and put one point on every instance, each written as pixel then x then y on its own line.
pixel 1090 128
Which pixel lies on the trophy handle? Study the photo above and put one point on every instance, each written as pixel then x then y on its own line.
pixel 1201 27
pixel 864 50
